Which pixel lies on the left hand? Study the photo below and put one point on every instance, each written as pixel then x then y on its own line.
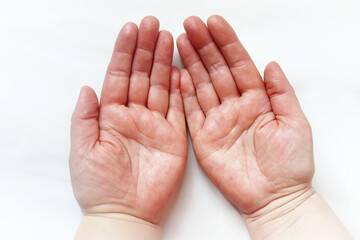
pixel 128 155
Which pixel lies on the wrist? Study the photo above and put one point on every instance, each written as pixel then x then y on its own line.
pixel 111 226
pixel 300 215
pixel 277 216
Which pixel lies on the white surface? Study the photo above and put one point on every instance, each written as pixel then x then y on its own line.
pixel 49 49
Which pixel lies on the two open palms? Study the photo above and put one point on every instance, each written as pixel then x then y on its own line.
pixel 250 137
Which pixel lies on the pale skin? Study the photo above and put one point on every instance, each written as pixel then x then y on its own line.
pixel 128 154
pixel 249 135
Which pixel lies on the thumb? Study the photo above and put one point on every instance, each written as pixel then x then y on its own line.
pixel 282 96
pixel 84 121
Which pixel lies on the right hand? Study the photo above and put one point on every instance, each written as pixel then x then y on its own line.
pixel 250 136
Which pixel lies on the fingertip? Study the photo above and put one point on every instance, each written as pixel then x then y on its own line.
pixel 128 31
pixel 194 114
pixel 192 22
pixel 282 95
pixel 164 48
pixel 180 39
pixel 84 120
pixel 129 28
pixel 85 88
pixel 184 74
pixel 167 34
pixel 150 22
pixel 150 18
pixel 273 71
pixel 273 62
pixel 166 37
pixel 175 78
pixel 148 34
pixel 218 24
pixel 87 104
pixel 175 113
pixel 188 20
pixel 213 19
pixel 186 85
pixel 175 73
pixel 126 39
pixel 185 46
pixel 221 31
pixel 272 65
pixel 87 94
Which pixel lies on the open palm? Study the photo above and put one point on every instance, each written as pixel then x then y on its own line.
pixel 128 155
pixel 250 137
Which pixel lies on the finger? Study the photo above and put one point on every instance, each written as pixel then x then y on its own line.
pixel 158 99
pixel 84 121
pixel 143 58
pixel 116 83
pixel 175 114
pixel 282 96
pixel 242 67
pixel 205 91
pixel 212 58
pixel 194 116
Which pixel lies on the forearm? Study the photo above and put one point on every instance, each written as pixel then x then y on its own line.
pixel 303 216
pixel 116 226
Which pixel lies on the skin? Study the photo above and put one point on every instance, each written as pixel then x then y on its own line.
pixel 250 136
pixel 128 154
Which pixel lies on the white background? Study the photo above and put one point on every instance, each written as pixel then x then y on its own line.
pixel 49 49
